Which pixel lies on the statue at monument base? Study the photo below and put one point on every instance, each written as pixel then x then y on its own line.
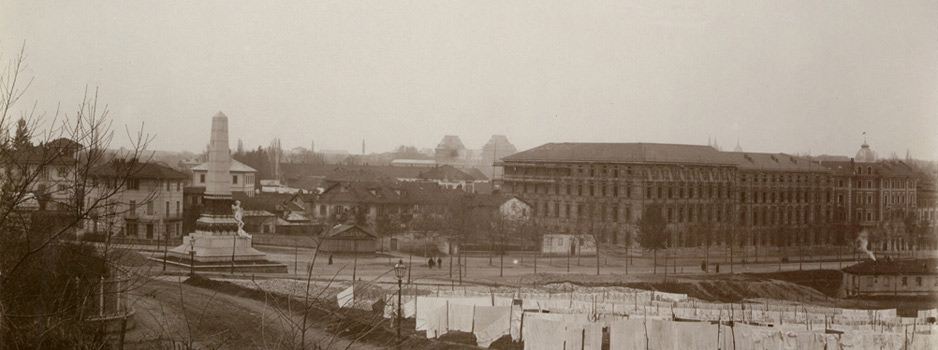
pixel 219 242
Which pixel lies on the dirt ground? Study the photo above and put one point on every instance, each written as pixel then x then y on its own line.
pixel 170 314
pixel 219 315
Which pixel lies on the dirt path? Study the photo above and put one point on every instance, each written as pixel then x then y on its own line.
pixel 171 313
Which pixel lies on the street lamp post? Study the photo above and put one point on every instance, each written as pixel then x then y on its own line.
pixel 399 271
pixel 191 256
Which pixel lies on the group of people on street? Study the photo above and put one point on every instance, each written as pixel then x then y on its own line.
pixel 438 262
pixel 703 267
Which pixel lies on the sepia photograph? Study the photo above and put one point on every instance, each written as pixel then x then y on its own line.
pixel 429 175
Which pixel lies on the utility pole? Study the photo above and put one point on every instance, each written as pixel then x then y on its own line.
pixel 355 256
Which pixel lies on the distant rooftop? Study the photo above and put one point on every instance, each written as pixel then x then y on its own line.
pixel 622 153
pixel 895 267
pixel 235 166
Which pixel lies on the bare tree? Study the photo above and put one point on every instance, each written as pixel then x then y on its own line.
pixel 48 192
pixel 653 231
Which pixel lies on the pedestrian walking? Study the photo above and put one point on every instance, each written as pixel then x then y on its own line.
pixel 430 263
pixel 718 268
pixel 330 259
pixel 439 262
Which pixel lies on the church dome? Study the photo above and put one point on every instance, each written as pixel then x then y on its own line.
pixel 865 154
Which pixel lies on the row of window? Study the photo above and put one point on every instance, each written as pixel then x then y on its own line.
pixel 248 179
pixel 872 282
pixel 132 229
pixel 788 178
pixel 169 186
pixel 150 210
pixel 614 171
pixel 679 214
pixel 888 184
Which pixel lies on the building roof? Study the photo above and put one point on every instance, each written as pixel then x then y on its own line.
pixel 865 154
pixel 621 153
pixel 451 142
pixel 895 267
pixel 896 168
pixel 273 202
pixel 414 162
pixel 773 162
pixel 235 166
pixel 476 173
pixel 258 213
pixel 498 144
pixel 296 171
pixel 830 158
pixel 63 144
pixel 388 192
pixel 339 230
pixel 149 170
pixel 449 173
pixel 891 168
pixel 494 200
pixel 356 175
pixel 44 155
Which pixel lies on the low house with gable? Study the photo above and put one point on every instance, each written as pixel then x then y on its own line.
pixel 242 177
pixel 372 203
pixel 349 239
pixel 466 179
pixel 888 277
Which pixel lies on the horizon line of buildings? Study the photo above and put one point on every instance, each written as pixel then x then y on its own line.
pixel 574 187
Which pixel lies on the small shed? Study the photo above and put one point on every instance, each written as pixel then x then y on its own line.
pixel 567 244
pixel 907 277
pixel 349 239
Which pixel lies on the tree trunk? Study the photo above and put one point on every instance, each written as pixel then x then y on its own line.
pixel 756 244
pixel 501 266
pixel 655 264
pixel 731 255
pixel 800 255
pixel 597 258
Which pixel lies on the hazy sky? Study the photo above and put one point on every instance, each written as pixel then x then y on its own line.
pixel 779 76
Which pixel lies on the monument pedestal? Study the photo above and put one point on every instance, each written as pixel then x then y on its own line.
pixel 214 253
pixel 213 248
pixel 216 244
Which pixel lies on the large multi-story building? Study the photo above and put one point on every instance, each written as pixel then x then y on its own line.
pixel 927 205
pixel 877 195
pixel 49 170
pixel 760 198
pixel 144 200
pixel 781 199
pixel 575 187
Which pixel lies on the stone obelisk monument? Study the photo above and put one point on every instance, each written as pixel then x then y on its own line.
pixel 218 241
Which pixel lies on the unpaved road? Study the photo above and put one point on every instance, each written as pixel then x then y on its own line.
pixel 170 314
